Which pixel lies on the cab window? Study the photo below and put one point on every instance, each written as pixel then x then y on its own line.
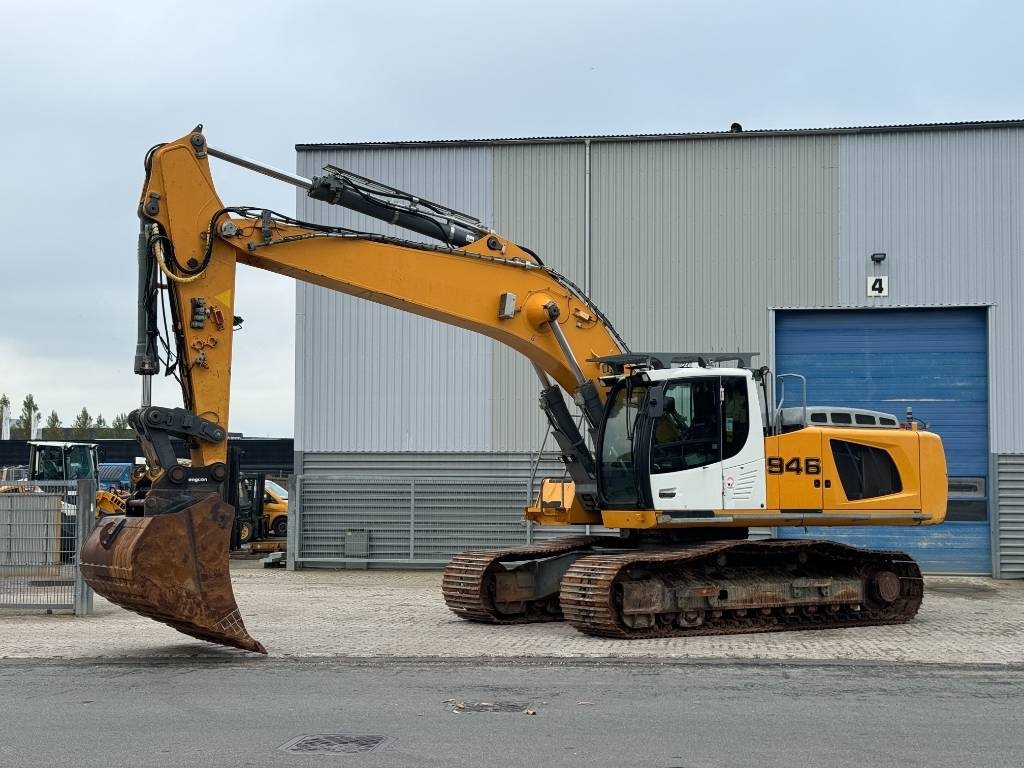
pixel 618 485
pixel 49 463
pixel 735 415
pixel 688 433
pixel 80 463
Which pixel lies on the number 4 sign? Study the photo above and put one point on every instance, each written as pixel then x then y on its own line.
pixel 878 286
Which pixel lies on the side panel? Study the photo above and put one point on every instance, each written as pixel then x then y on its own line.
pixel 743 475
pixel 901 447
pixel 791 487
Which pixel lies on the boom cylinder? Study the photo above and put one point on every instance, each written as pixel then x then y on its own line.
pixel 335 190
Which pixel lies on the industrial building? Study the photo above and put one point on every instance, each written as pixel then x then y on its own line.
pixel 884 263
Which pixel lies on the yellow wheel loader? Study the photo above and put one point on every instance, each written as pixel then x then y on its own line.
pixel 689 449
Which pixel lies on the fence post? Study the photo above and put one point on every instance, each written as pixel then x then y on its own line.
pixel 294 505
pixel 85 520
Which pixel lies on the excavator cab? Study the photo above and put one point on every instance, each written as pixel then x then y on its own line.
pixel 671 436
pixel 699 442
pixel 63 462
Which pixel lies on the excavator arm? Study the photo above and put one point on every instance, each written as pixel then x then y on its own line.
pixel 189 246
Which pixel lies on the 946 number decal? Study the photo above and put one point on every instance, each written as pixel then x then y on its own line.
pixel 797 465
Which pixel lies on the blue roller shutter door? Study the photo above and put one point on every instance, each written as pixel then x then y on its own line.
pixel 932 360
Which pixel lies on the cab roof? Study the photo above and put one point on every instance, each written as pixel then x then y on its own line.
pixel 59 444
pixel 658 360
pixel 695 372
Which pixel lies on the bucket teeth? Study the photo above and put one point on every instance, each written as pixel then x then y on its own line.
pixel 172 568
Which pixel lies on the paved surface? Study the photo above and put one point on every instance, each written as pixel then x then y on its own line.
pixel 319 613
pixel 238 712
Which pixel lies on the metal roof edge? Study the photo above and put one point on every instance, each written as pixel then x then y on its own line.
pixel 937 305
pixel 691 136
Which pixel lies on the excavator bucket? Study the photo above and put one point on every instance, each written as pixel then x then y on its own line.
pixel 173 568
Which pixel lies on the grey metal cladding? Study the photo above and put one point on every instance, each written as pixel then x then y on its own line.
pixel 420 507
pixel 453 465
pixel 694 240
pixel 946 209
pixel 370 377
pixel 1008 533
pixel 539 199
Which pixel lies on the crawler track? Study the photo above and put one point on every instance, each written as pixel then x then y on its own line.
pixel 730 587
pixel 468 581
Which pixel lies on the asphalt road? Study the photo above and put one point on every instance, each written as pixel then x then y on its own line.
pixel 240 712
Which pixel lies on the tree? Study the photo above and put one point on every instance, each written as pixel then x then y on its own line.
pixel 82 424
pixel 29 409
pixel 99 426
pixel 53 429
pixel 119 427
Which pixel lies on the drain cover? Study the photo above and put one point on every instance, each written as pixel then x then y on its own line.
pixel 333 744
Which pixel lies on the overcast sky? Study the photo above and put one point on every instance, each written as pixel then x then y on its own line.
pixel 87 87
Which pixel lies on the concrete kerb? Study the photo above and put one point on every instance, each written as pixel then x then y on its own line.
pixel 318 616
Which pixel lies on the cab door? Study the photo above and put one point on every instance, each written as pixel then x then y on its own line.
pixel 686 446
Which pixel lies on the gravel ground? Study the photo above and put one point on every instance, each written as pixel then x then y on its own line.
pixel 368 614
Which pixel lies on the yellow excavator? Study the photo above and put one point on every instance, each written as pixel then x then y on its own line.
pixel 689 449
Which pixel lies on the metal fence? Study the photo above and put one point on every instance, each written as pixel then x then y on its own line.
pixel 42 528
pixel 340 520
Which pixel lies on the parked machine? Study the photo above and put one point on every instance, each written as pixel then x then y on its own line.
pixel 55 461
pixel 244 491
pixel 63 463
pixel 275 508
pixel 690 449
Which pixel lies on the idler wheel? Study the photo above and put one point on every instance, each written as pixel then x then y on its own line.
pixel 886 586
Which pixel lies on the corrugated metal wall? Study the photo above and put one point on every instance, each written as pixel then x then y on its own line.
pixel 372 378
pixel 945 207
pixel 694 240
pixel 539 202
pixel 1008 526
pixel 427 464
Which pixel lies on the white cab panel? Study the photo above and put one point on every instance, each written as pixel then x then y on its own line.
pixel 699 488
